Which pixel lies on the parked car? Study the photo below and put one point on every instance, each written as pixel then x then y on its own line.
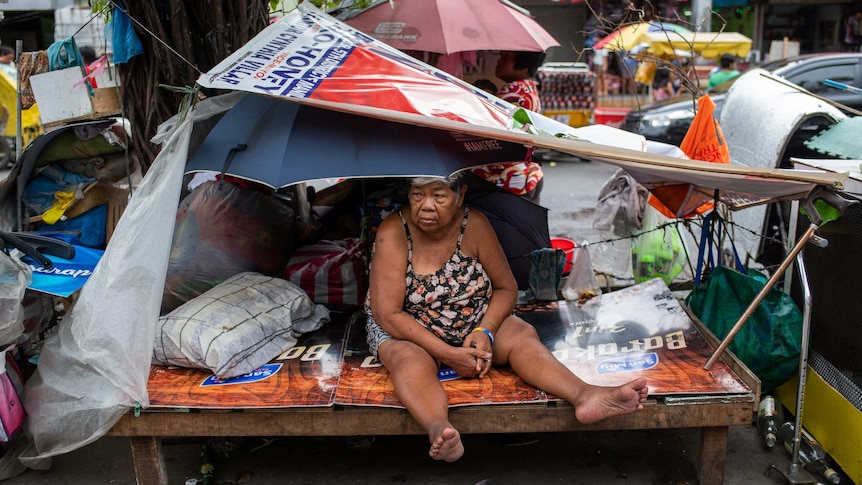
pixel 668 120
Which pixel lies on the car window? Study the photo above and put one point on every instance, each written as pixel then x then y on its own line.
pixel 812 79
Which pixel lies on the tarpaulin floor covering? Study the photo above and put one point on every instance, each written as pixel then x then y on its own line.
pixel 640 330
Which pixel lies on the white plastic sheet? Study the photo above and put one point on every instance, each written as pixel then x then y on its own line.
pixel 95 367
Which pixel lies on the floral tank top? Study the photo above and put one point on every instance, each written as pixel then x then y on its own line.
pixel 452 300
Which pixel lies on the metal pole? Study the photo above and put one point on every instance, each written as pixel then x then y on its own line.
pixel 795 474
pixel 701 15
pixel 803 361
pixel 19 46
pixel 19 139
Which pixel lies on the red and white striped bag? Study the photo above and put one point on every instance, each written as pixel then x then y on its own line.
pixel 332 273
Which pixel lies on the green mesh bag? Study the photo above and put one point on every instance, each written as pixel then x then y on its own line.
pixel 769 341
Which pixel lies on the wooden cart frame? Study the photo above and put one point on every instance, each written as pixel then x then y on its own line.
pixel 712 414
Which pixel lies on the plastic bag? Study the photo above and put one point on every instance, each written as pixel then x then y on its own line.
pixel 769 341
pixel 223 230
pixel 581 283
pixel 11 409
pixel 15 277
pixel 331 273
pixel 658 250
pixel 546 273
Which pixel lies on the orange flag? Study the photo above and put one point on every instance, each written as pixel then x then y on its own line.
pixel 704 141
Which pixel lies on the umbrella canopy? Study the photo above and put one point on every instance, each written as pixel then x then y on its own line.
pixel 449 26
pixel 629 36
pixel 710 45
pixel 521 225
pixel 280 143
pixel 351 72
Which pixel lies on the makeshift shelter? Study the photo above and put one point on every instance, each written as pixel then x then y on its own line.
pixel 95 368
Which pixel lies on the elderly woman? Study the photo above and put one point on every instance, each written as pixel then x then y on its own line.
pixel 441 291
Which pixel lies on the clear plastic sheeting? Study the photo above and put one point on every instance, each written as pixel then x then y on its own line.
pixel 15 277
pixel 95 367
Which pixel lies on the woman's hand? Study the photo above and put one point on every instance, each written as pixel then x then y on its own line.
pixel 470 361
pixel 479 346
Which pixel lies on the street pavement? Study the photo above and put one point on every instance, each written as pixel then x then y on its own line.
pixel 624 457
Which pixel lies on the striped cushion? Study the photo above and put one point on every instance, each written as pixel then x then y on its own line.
pixel 237 326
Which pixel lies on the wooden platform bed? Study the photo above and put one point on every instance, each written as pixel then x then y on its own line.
pixel 355 398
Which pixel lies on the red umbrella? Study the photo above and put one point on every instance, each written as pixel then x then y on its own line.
pixel 449 26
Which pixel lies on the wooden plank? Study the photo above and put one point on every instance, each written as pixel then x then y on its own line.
pixel 713 455
pixel 148 460
pixel 727 356
pixel 347 421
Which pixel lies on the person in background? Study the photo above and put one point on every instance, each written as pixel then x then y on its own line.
pixel 727 70
pixel 662 83
pixel 89 56
pixel 486 85
pixel 599 67
pixel 442 292
pixel 517 69
pixel 7 61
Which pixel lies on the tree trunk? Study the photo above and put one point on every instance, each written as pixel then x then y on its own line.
pixel 198 34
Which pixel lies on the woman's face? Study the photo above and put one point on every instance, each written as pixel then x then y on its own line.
pixel 505 68
pixel 433 206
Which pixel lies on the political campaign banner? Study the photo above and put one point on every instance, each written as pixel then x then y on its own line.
pixel 312 58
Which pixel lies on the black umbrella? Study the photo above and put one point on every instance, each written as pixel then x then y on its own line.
pixel 521 225
pixel 279 143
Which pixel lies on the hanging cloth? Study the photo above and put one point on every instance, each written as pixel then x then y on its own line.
pixel 64 53
pixel 123 37
pixel 30 63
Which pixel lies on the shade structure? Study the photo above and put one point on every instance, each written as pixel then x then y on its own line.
pixel 710 45
pixel 279 143
pixel 629 36
pixel 351 72
pixel 449 26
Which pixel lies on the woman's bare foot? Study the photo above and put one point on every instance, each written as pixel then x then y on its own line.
pixel 597 403
pixel 447 445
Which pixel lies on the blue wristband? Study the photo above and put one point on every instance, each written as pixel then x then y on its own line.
pixel 487 332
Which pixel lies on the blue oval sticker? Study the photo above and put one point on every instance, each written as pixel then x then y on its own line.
pixel 627 364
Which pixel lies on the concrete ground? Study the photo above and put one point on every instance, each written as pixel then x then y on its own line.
pixel 628 457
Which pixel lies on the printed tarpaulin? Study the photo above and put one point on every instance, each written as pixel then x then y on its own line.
pixel 311 58
pixel 67 275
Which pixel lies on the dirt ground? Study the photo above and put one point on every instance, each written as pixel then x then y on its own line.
pixel 664 457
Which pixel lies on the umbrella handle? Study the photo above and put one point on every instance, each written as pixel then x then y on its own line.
pixel 229 158
pixel 8 239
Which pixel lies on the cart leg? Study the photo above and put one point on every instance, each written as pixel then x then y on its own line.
pixel 713 454
pixel 148 460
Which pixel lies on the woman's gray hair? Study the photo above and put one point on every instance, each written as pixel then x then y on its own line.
pixel 455 181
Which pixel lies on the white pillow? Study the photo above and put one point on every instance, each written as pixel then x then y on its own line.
pixel 237 326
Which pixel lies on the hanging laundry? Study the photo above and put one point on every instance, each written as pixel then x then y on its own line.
pixel 123 37
pixel 63 54
pixel 30 63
